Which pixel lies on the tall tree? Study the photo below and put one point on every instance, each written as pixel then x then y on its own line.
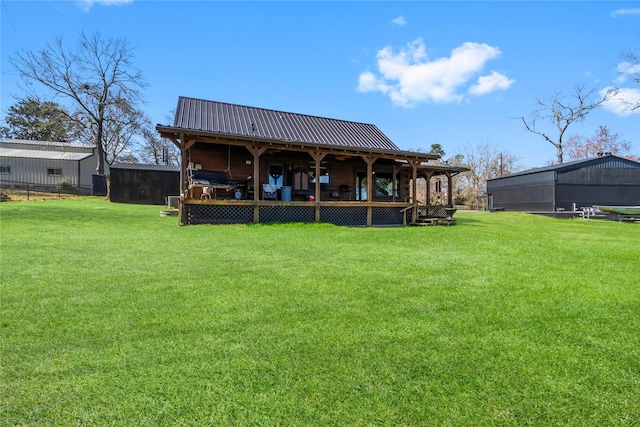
pixel 632 68
pixel 98 77
pixel 156 150
pixel 562 113
pixel 437 149
pixel 119 131
pixel 36 120
pixel 484 162
pixel 602 141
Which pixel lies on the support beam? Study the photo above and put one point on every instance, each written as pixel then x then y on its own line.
pixel 414 189
pixel 370 160
pixel 317 157
pixel 183 179
pixel 256 152
pixel 449 189
pixel 427 177
pixel 394 181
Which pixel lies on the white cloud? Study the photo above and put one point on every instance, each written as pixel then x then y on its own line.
pixel 622 12
pixel 86 4
pixel 491 83
pixel 400 21
pixel 626 70
pixel 624 100
pixel 409 77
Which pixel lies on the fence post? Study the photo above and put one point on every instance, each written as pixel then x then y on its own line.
pixel 28 186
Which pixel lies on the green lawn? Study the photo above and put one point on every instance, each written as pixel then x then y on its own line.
pixel 113 315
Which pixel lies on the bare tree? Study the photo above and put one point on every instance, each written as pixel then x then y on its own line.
pixel 634 72
pixel 562 113
pixel 119 132
pixel 98 77
pixel 484 162
pixel 158 150
pixel 603 141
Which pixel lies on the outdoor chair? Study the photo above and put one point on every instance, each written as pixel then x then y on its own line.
pixel 345 192
pixel 269 191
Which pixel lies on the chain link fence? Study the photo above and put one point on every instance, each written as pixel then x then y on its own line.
pixel 12 190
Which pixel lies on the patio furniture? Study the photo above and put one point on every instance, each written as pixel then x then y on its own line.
pixel 269 191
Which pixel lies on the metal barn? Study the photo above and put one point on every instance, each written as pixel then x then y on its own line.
pixel 47 163
pixel 142 183
pixel 604 180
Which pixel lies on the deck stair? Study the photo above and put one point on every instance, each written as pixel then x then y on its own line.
pixel 434 216
pixel 423 221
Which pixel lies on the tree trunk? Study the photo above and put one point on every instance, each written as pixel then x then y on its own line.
pixel 100 122
pixel 559 152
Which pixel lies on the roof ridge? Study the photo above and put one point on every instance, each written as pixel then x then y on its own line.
pixel 275 111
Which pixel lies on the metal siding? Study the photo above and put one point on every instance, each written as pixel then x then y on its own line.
pixel 524 193
pixel 143 186
pixel 544 177
pixel 590 195
pixel 34 171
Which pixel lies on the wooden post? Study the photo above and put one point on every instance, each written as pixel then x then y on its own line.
pixel 317 157
pixel 370 160
pixel 256 152
pixel 183 178
pixel 428 192
pixel 394 181
pixel 449 189
pixel 414 189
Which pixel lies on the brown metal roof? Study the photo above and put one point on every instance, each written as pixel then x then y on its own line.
pixel 230 119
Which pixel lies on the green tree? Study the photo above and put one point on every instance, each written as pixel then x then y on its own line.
pixel 437 149
pixel 35 120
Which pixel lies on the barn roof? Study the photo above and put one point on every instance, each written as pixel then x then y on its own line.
pixel 605 161
pixel 52 145
pixel 239 120
pixel 49 150
pixel 43 154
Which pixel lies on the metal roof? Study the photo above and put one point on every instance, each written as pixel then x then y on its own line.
pixel 43 154
pixel 48 144
pixel 608 161
pixel 239 120
pixel 146 167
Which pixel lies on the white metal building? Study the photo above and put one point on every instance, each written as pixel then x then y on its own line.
pixel 47 163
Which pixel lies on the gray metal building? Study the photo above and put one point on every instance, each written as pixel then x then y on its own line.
pixel 603 180
pixel 47 163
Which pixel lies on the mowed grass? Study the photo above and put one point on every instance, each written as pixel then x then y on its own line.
pixel 115 316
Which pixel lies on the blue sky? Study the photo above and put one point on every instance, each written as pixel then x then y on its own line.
pixel 455 73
